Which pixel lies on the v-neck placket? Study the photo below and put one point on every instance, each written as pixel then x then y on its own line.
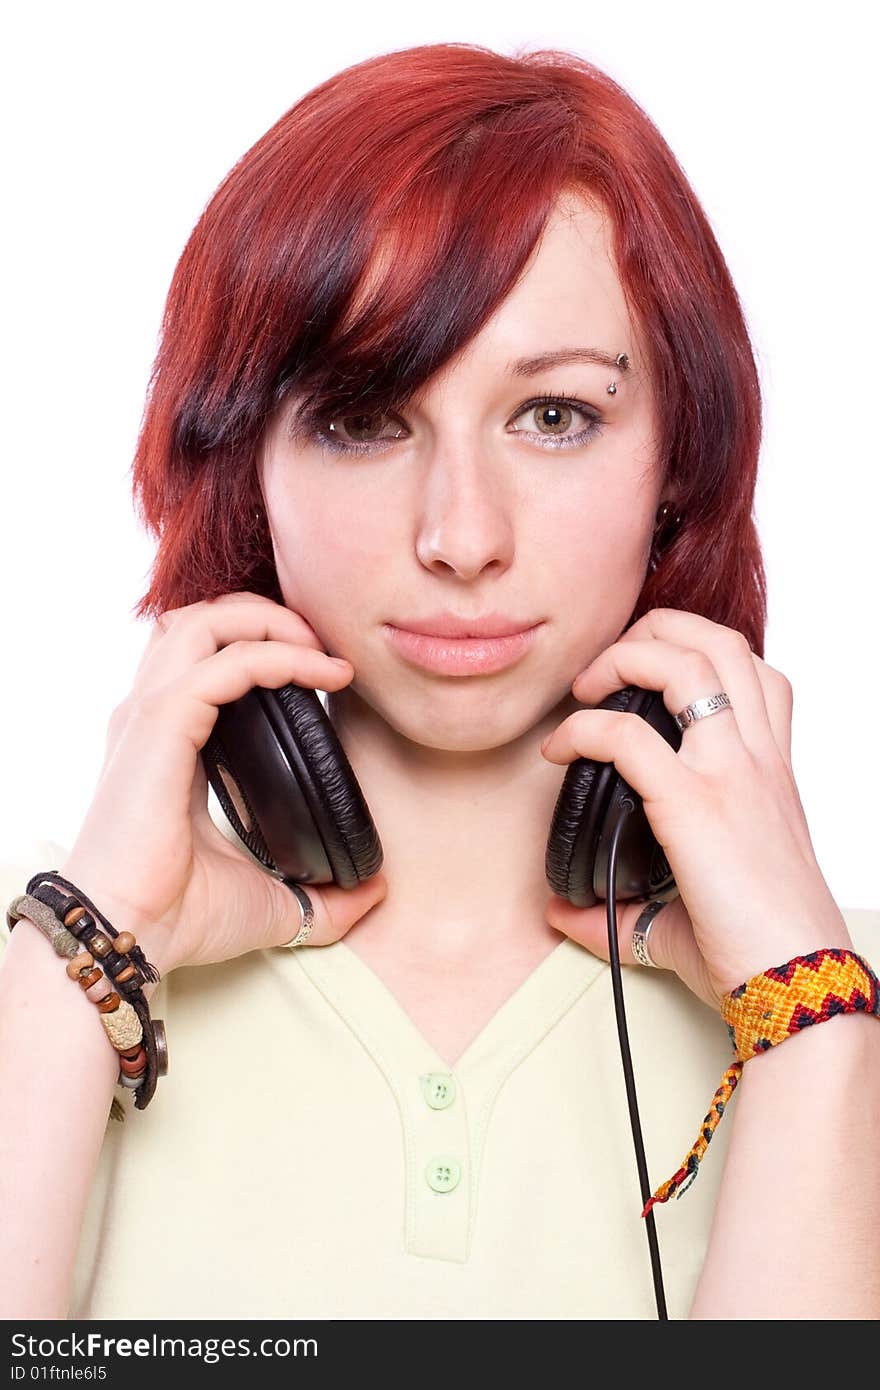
pixel 445 1111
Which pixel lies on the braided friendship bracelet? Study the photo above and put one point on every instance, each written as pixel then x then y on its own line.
pixel 766 1010
pixel 67 920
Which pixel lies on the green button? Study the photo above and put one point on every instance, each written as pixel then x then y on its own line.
pixel 438 1089
pixel 443 1174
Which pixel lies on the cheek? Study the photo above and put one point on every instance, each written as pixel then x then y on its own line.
pixel 601 540
pixel 321 563
pixel 593 560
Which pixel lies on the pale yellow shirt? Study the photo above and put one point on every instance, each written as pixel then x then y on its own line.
pixel 310 1155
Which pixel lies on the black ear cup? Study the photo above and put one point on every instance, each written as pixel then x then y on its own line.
pixel 587 810
pixel 288 790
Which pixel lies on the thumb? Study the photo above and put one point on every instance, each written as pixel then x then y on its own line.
pixel 335 909
pixel 672 944
pixel 589 927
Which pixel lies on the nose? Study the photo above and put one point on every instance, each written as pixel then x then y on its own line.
pixel 466 518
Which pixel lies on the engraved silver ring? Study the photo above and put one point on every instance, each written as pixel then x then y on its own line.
pixel 642 930
pixel 702 709
pixel 307 915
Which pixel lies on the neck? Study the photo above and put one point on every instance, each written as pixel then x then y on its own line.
pixel 464 835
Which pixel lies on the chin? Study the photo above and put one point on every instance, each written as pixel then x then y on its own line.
pixel 466 716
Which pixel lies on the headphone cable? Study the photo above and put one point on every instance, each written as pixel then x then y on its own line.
pixel 628 806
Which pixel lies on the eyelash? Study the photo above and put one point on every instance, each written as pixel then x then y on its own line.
pixel 583 437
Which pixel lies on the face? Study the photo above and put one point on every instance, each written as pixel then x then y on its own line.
pixel 475 499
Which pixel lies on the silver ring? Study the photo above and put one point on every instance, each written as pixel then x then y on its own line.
pixel 642 929
pixel 307 915
pixel 701 709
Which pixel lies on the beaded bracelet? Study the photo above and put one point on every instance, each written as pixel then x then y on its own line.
pixel 766 1010
pixel 67 920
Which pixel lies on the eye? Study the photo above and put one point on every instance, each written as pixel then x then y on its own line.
pixel 354 434
pixel 363 433
pixel 350 430
pixel 552 413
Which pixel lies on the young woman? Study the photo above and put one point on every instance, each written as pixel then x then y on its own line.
pixel 452 353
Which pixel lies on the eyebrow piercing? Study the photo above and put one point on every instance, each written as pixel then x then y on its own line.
pixel 623 362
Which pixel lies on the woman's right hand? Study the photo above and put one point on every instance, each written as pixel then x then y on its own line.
pixel 148 854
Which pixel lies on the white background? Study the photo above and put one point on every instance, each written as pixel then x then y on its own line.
pixel 120 121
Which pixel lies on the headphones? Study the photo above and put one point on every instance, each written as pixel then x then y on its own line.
pixel 289 792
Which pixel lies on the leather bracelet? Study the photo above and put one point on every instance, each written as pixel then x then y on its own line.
pixel 70 921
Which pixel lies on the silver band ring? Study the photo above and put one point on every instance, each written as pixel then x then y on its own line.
pixel 307 913
pixel 642 929
pixel 701 709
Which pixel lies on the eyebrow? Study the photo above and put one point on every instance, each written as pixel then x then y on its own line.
pixel 532 366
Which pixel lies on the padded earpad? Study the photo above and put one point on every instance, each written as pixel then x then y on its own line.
pixel 589 805
pixel 288 790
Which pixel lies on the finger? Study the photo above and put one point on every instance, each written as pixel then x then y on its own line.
pixel 178 620
pixel 202 629
pixel 163 624
pixel 776 692
pixel 671 941
pixel 192 699
pixel 335 909
pixel 172 617
pixel 589 927
pixel 778 698
pixel 732 658
pixel 678 625
pixel 682 675
pixel 641 755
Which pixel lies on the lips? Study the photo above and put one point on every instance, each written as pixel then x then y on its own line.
pixel 451 625
pixel 461 656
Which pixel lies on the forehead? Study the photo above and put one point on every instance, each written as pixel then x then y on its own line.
pixel 568 293
pixel 575 251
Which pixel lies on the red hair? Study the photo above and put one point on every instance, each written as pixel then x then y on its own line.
pixel 464 152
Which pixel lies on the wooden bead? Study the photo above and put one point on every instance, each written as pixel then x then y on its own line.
pixel 107 1006
pixel 75 915
pixel 93 977
pixel 123 1027
pixel 132 1081
pixel 124 942
pixel 101 989
pixel 100 945
pixel 81 962
pixel 130 1052
pixel 135 1065
pixel 129 973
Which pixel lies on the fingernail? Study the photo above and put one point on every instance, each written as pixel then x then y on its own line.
pixel 340 661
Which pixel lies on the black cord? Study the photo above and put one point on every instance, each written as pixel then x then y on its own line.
pixel 617 985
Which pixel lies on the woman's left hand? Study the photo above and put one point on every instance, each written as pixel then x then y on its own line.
pixel 724 808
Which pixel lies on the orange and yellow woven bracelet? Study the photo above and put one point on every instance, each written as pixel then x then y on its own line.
pixel 766 1010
